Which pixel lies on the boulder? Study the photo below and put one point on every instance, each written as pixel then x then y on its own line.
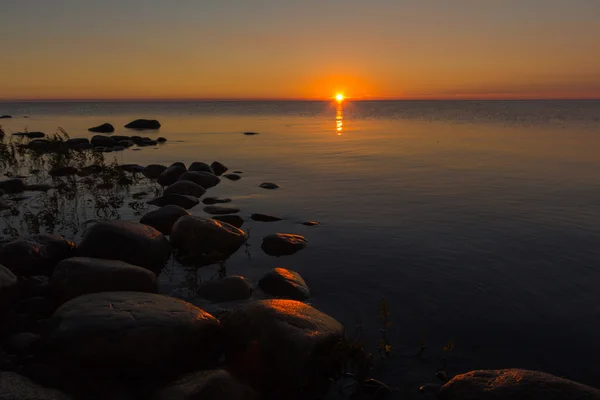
pixel 34 286
pixel 230 219
pixel 264 218
pixel 17 387
pixel 171 175
pixel 133 334
pixel 21 343
pixel 143 124
pixel 132 168
pixel 8 287
pixel 230 288
pixel 178 164
pixel 282 244
pixel 187 188
pixel 153 171
pixel 215 200
pixel 30 135
pixel 103 141
pixel 220 210
pixel 62 171
pixel 250 133
pixel 120 138
pixel 161 140
pixel 509 384
pixel 201 167
pixel 204 179
pixel 218 168
pixel 232 177
pixel 128 241
pixel 207 385
pixel 125 143
pixel 180 200
pixel 269 185
pixel 75 142
pixel 104 128
pixel 36 254
pixel 283 347
pixel 80 275
pixel 90 170
pixel 284 283
pixel 14 185
pixel 164 218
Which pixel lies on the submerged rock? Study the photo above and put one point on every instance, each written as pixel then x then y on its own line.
pixel 264 218
pixel 164 218
pixel 207 385
pixel 310 223
pixel 250 133
pixel 161 140
pixel 201 167
pixel 187 188
pixel 231 219
pixel 143 124
pixel 218 168
pixel 232 177
pixel 17 387
pixel 215 200
pixel 14 185
pixel 30 135
pixel 36 254
pixel 76 142
pixel 171 175
pixel 103 141
pixel 180 200
pixel 284 283
pixel 8 287
pixel 220 210
pixel 283 244
pixel 153 171
pixel 230 288
pixel 204 179
pixel 269 185
pixel 104 128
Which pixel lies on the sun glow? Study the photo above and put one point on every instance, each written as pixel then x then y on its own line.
pixel 339 97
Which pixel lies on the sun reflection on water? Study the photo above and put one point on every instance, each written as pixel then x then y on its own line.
pixel 339 118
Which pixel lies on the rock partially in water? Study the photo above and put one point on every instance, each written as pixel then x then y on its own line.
pixel 121 138
pixel 232 177
pixel 264 218
pixel 63 171
pixel 30 135
pixel 104 128
pixel 133 335
pixel 8 287
pixel 269 185
pixel 171 175
pixel 284 283
pixel 187 188
pixel 143 124
pixel 283 244
pixel 220 210
pixel 36 254
pixel 180 200
pixel 133 168
pixel 76 142
pixel 207 385
pixel 230 219
pixel 215 200
pixel 250 133
pixel 14 185
pixel 310 223
pixel 161 140
pixel 17 387
pixel 5 116
pixel 77 276
pixel 103 141
pixel 282 347
pixel 90 170
pixel 153 171
pixel 164 218
pixel 230 288
pixel 509 384
pixel 128 241
pixel 204 179
pixel 201 167
pixel 218 168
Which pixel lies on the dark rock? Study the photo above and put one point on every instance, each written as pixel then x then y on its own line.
pixel 178 164
pixel 164 218
pixel 124 181
pixel 376 389
pixel 4 205
pixel 8 287
pixel 132 334
pixel 148 143
pixel 36 254
pixel 220 210
pixel 101 149
pixel 204 179
pixel 104 128
pixel 310 223
pixel 171 175
pixel 201 167
pixel 103 141
pixel 232 177
pixel 90 170
pixel 77 142
pixel 62 171
pixel 282 347
pixel 207 385
pixel 125 143
pixel 153 171
pixel 282 244
pixel 21 343
pixel 139 195
pixel 105 185
pixel 132 168
pixel 14 185
pixel 83 146
pixel 80 275
pixel 284 283
pixel 234 220
pixel 269 185
pixel 187 188
pixel 5 116
pixel 121 138
pixel 264 218
pixel 230 288
pixel 218 168
pixel 161 140
pixel 509 384
pixel 39 187
pixel 136 139
pixel 238 172
pixel 143 124
pixel 33 286
pixel 215 200
pixel 30 135
pixel 250 133
pixel 17 387
pixel 37 307
pixel 132 242
pixel 180 200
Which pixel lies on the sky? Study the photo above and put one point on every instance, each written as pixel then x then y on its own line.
pixel 299 49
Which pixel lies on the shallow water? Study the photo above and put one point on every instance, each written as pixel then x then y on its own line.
pixel 479 222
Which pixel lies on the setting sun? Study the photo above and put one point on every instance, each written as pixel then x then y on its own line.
pixel 339 97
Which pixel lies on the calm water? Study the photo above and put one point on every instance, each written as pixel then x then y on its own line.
pixel 478 221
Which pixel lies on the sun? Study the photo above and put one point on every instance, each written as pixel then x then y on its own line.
pixel 339 97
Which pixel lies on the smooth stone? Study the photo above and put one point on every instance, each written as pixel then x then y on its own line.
pixel 121 138
pixel 37 307
pixel 284 283
pixel 232 177
pixel 30 135
pixel 132 168
pixel 17 387
pixel 103 141
pixel 33 286
pixel 78 276
pixel 269 185
pixel 8 287
pixel 310 223
pixel 164 218
pixel 36 254
pixel 250 133
pixel 161 140
pixel 143 124
pixel 133 335
pixel 90 170
pixel 207 385
pixel 187 188
pixel 21 343
pixel 153 171
pixel 220 210
pixel 126 143
pixel 14 185
pixel 136 139
pixel 62 171
pixel 180 200
pixel 39 187
pixel 83 146
pixel 171 175
pixel 509 384
pixel 218 168
pixel 264 218
pixel 148 143
pixel 282 346
pixel 201 167
pixel 230 288
pixel 104 128
pixel 101 149
pixel 230 219
pixel 77 142
pixel 178 164
pixel 215 200
pixel 238 172
pixel 204 179
pixel 128 241
pixel 283 244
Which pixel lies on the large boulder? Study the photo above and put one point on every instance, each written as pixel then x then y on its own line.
pixel 132 334
pixel 218 168
pixel 230 288
pixel 36 254
pixel 231 219
pixel 207 385
pixel 77 142
pixel 171 175
pixel 132 242
pixel 80 275
pixel 104 128
pixel 164 218
pixel 509 384
pixel 264 217
pixel 204 179
pixel 187 188
pixel 284 283
pixel 143 124
pixel 220 210
pixel 200 167
pixel 153 171
pixel 180 200
pixel 232 177
pixel 283 244
pixel 8 287
pixel 14 185
pixel 283 347
pixel 103 141
pixel 216 200
pixel 269 185
pixel 17 387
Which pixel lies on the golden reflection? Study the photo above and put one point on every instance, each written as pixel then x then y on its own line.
pixel 339 118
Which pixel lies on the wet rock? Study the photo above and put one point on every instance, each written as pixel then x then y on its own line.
pixel 238 172
pixel 121 138
pixel 62 171
pixel 39 187
pixel 264 218
pixel 17 387
pixel 30 135
pixel 132 168
pixel 180 200
pixel 143 124
pixel 218 168
pixel 14 185
pixel 508 384
pixel 284 283
pixel 171 175
pixel 136 139
pixel 134 335
pixel 178 164
pixel 164 218
pixel 161 140
pixel 125 144
pixel 33 286
pixel 282 347
pixel 232 177
pixel 37 307
pixel 139 195
pixel 103 141
pixel 220 210
pixel 77 142
pixel 21 343
pixel 201 167
pixel 234 220
pixel 148 143
pixel 153 171
pixel 230 288
pixel 283 244
pixel 250 133
pixel 269 185
pixel 430 388
pixel 36 254
pixel 310 223
pixel 203 179
pixel 187 188
pixel 132 242
pixel 83 146
pixel 5 116
pixel 90 170
pixel 102 149
pixel 207 385
pixel 8 287
pixel 215 200
pixel 104 128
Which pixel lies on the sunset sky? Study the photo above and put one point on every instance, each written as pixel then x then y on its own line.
pixel 299 49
